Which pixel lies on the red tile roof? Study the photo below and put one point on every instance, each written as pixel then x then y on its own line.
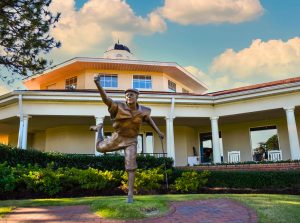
pixel 224 92
pixel 256 86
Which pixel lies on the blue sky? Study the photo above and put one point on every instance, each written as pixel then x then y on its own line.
pixel 225 43
pixel 199 44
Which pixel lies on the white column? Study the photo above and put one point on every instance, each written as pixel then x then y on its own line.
pixel 98 121
pixel 293 135
pixel 24 131
pixel 215 139
pixel 20 133
pixel 170 138
pixel 20 136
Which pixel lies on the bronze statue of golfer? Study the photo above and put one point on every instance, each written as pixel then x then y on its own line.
pixel 127 118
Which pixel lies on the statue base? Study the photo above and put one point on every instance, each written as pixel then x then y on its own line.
pixel 129 199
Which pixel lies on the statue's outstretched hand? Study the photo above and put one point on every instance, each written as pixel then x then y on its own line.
pixel 97 78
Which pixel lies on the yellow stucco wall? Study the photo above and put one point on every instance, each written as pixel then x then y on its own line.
pixel 124 79
pixel 70 139
pixel 179 85
pixel 4 139
pixel 59 83
pixel 77 139
pixel 13 139
pixel 184 140
pixel 39 141
pixel 85 80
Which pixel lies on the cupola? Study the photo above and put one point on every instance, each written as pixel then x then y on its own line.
pixel 118 51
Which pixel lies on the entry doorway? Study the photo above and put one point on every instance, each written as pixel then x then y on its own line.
pixel 206 147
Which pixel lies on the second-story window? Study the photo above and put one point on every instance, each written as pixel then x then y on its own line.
pixel 142 82
pixel 109 80
pixel 171 86
pixel 71 83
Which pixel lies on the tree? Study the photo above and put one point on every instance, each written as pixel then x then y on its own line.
pixel 24 35
pixel 272 143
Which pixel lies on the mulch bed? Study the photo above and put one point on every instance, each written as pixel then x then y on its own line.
pixel 83 193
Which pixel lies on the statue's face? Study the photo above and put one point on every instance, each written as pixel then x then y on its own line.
pixel 131 97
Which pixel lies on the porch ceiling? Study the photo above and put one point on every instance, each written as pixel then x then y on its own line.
pixel 10 125
pixel 253 116
pixel 40 123
pixel 233 119
pixel 192 122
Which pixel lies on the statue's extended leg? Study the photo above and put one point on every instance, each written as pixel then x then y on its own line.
pixel 131 176
pixel 98 128
pixel 131 166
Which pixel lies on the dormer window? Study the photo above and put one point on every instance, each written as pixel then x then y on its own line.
pixel 71 83
pixel 171 86
pixel 109 80
pixel 142 82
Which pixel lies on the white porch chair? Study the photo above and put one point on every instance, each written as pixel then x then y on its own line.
pixel 193 160
pixel 234 156
pixel 274 155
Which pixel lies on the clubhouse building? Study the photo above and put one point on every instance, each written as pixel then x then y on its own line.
pixel 253 123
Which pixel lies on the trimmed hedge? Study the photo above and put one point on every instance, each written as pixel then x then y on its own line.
pixel 33 181
pixel 248 179
pixel 255 179
pixel 14 156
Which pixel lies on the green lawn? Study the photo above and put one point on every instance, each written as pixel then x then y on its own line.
pixel 270 208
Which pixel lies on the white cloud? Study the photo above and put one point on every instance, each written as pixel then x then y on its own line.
pixel 99 22
pixel 3 88
pixel 205 11
pixel 274 59
pixel 215 83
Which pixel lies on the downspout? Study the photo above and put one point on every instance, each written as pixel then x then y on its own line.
pixel 21 121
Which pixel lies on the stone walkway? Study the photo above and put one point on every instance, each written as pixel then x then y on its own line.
pixel 206 211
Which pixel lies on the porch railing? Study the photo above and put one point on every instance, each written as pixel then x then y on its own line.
pixel 157 155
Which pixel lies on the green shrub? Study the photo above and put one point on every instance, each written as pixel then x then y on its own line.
pixel 7 178
pixel 90 179
pixel 191 181
pixel 93 179
pixel 44 180
pixel 255 179
pixel 146 181
pixel 16 156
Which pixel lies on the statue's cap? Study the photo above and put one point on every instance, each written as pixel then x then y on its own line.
pixel 133 90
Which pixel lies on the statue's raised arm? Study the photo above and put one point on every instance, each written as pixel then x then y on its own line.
pixel 107 100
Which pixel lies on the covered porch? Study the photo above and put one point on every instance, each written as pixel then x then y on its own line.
pixel 198 129
pixel 188 140
pixel 255 136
